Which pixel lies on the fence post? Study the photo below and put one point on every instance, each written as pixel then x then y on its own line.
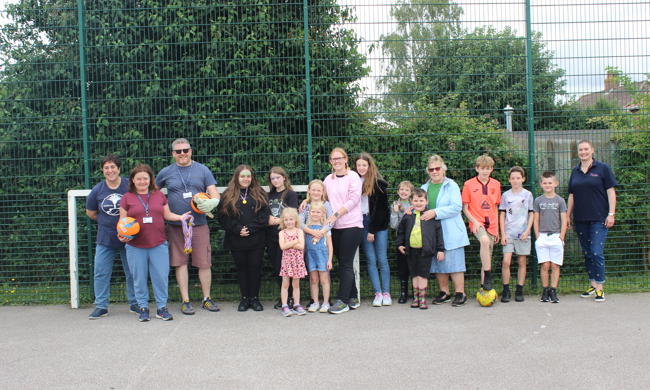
pixel 530 119
pixel 84 119
pixel 305 17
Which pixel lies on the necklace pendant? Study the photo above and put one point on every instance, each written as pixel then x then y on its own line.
pixel 244 201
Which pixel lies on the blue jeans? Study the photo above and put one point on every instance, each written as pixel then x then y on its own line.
pixel 592 237
pixel 377 257
pixel 104 257
pixel 153 262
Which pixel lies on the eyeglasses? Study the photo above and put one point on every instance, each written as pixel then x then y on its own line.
pixel 434 169
pixel 179 151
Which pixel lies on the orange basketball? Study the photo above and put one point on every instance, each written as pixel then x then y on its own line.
pixel 201 195
pixel 128 227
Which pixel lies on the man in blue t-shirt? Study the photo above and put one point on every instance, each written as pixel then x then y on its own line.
pixel 184 179
pixel 103 206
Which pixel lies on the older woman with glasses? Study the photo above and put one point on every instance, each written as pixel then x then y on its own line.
pixel 444 203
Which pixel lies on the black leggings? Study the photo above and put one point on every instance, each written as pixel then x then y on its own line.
pixel 402 267
pixel 249 271
pixel 346 242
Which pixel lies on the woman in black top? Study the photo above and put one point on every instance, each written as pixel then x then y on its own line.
pixel 374 206
pixel 281 195
pixel 244 215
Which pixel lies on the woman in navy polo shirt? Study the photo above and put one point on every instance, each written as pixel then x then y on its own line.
pixel 592 203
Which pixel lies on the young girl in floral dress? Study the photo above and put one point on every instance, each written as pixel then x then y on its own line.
pixel 292 269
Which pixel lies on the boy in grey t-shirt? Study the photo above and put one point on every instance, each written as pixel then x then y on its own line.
pixel 550 224
pixel 516 222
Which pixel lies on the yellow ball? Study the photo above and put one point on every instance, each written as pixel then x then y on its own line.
pixel 486 298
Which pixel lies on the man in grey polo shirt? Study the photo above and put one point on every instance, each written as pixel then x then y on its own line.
pixel 184 179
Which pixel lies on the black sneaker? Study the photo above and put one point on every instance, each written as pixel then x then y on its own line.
pixel 459 299
pixel 505 295
pixel 256 305
pixel 552 296
pixel 290 302
pixel 278 304
pixel 244 304
pixel 600 296
pixel 588 293
pixel 545 294
pixel 519 294
pixel 442 297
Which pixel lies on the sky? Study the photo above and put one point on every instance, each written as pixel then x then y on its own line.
pixel 584 35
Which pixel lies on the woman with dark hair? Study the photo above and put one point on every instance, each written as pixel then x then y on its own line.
pixel 592 204
pixel 281 196
pixel 374 207
pixel 244 215
pixel 148 251
pixel 343 187
pixel 103 206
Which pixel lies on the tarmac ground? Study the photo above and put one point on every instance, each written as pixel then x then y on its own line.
pixel 576 344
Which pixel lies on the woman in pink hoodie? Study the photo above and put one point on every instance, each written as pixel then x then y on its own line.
pixel 343 187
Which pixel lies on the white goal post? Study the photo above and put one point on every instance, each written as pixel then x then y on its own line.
pixel 73 248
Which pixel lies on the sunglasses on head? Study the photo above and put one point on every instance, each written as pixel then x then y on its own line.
pixel 434 169
pixel 179 151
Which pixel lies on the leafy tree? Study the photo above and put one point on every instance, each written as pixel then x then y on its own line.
pixel 227 74
pixel 420 26
pixel 486 69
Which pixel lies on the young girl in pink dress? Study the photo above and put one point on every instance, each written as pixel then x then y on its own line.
pixel 292 243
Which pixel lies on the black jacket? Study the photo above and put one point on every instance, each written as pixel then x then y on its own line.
pixel 432 241
pixel 378 210
pixel 256 222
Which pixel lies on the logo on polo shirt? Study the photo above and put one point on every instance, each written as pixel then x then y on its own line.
pixel 485 205
pixel 594 174
pixel 111 204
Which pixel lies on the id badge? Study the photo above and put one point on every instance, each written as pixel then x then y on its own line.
pixel 187 195
pixel 147 219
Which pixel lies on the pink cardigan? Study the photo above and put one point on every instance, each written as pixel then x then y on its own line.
pixel 345 192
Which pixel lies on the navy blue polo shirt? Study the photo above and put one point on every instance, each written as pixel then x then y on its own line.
pixel 589 191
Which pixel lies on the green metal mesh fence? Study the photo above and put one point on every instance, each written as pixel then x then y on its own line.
pixel 281 83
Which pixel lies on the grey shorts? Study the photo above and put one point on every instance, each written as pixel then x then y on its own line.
pixel 517 246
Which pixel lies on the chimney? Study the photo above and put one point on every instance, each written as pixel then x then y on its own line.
pixel 610 82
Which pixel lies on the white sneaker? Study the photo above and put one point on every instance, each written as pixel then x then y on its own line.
pixel 325 307
pixel 313 308
pixel 386 300
pixel 378 299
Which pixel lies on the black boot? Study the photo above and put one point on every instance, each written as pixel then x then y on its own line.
pixel 403 292
pixel 505 294
pixel 244 304
pixel 487 281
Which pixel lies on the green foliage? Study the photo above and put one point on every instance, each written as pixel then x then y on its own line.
pixel 228 75
pixel 420 24
pixel 460 71
pixel 402 151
